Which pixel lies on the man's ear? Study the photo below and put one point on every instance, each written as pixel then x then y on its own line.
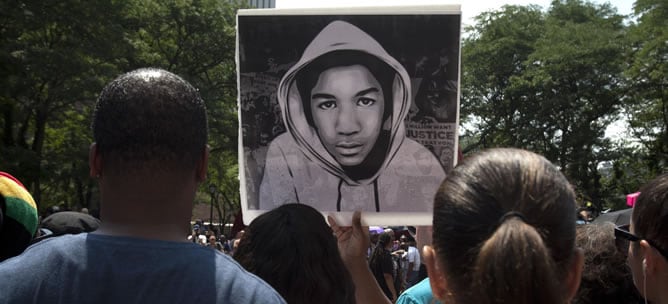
pixel 574 273
pixel 94 161
pixel 436 274
pixel 202 165
pixel 651 258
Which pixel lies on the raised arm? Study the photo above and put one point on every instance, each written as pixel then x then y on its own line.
pixel 353 243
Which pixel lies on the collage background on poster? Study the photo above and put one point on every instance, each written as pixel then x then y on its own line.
pixel 426 45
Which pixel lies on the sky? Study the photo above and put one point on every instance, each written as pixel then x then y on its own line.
pixel 470 8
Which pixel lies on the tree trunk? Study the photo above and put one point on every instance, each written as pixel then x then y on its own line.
pixel 8 128
pixel 37 146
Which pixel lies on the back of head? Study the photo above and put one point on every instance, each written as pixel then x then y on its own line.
pixel 504 229
pixel 18 217
pixel 149 119
pixel 293 249
pixel 605 277
pixel 384 239
pixel 650 212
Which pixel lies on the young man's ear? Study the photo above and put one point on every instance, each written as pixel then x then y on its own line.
pixel 651 259
pixel 94 161
pixel 202 165
pixel 575 273
pixel 439 286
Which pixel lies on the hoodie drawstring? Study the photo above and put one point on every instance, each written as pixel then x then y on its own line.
pixel 375 194
pixel 338 198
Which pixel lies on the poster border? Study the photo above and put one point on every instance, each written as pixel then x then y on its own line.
pixel 344 218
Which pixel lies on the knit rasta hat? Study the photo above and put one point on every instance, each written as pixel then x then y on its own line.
pixel 18 217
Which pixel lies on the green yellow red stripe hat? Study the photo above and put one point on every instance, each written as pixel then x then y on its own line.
pixel 18 216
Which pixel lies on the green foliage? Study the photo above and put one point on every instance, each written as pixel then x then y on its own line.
pixel 57 55
pixel 549 82
pixel 647 104
pixel 497 51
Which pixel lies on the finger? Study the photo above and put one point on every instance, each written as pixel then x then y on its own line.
pixel 357 220
pixel 332 223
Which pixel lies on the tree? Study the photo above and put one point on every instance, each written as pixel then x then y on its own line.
pixel 56 56
pixel 550 83
pixel 496 50
pixel 647 106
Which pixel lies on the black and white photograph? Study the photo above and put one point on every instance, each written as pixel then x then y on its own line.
pixel 345 112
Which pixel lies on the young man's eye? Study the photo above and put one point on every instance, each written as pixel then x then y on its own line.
pixel 327 105
pixel 365 102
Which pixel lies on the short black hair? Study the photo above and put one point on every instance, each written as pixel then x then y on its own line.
pixel 308 76
pixel 150 116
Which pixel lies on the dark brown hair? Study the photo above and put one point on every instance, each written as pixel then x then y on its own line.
pixel 504 229
pixel 293 249
pixel 650 213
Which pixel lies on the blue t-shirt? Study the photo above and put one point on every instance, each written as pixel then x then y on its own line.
pixel 92 268
pixel 420 293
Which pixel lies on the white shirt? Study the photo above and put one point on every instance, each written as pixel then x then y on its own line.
pixel 413 256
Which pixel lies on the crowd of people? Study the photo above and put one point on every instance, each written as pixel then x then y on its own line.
pixel 504 230
pixel 211 237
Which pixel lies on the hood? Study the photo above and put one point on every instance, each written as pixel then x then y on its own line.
pixel 340 36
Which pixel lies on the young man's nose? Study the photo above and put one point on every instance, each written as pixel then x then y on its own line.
pixel 347 122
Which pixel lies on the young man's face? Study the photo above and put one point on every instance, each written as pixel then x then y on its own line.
pixel 347 105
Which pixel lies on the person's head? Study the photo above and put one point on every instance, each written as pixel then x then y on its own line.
pixel 585 214
pixel 385 240
pixel 347 97
pixel 373 238
pixel 605 277
pixel 648 249
pixel 504 232
pixel 66 222
pixel 149 121
pixel 212 241
pixel 410 241
pixel 18 217
pixel 292 248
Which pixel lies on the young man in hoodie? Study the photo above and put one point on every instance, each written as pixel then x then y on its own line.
pixel 344 105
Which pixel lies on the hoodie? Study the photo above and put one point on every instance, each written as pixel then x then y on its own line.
pixel 300 169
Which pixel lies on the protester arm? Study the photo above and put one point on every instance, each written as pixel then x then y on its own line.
pixel 353 242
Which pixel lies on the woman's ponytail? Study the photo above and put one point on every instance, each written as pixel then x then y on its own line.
pixel 504 229
pixel 515 266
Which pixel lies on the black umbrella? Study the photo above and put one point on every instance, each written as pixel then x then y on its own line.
pixel 619 217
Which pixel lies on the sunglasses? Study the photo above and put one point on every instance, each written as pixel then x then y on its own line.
pixel 623 237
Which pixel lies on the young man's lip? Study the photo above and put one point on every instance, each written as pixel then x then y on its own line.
pixel 348 149
pixel 348 145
